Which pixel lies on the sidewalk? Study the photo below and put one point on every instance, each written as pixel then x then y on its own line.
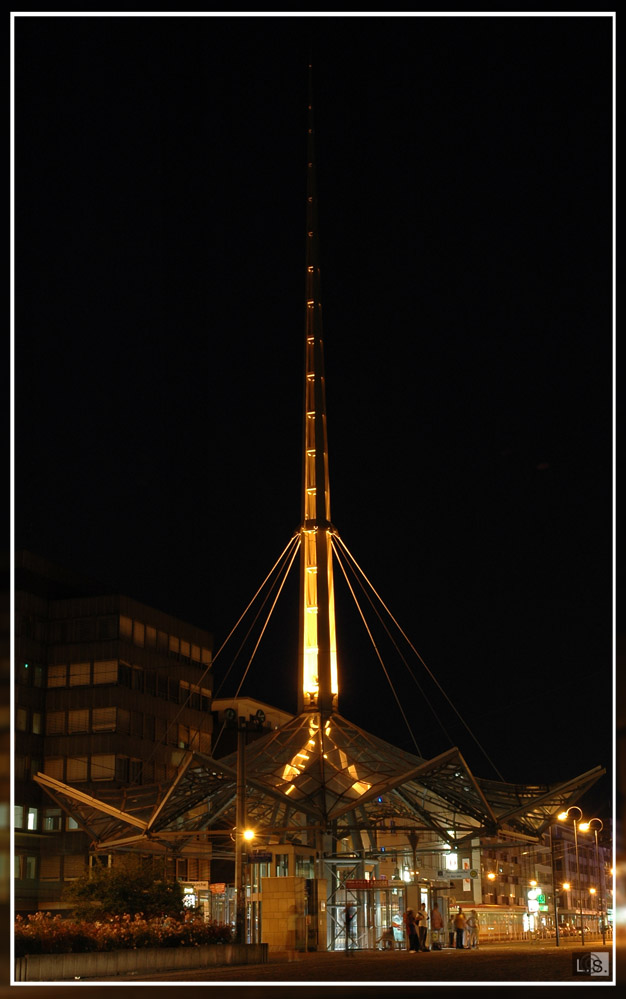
pixel 505 963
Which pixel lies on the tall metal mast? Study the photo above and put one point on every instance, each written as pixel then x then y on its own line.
pixel 317 687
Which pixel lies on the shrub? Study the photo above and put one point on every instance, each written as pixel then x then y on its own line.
pixel 43 933
pixel 127 888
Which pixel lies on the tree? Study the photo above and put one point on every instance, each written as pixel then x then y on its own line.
pixel 129 887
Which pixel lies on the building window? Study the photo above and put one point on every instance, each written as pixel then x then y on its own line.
pixel 52 819
pixel 174 647
pixel 29 868
pixel 103 767
pixel 139 634
pixel 105 671
pixel 107 627
pixel 304 866
pixel 18 816
pixel 36 724
pixel 282 865
pixel 78 721
pixel 32 819
pixel 150 637
pixel 185 650
pixel 135 771
pixel 181 869
pixel 21 719
pixel 73 866
pixel 53 767
pixel 71 824
pixel 126 627
pixel 49 868
pixel 76 769
pixel 85 629
pixel 80 674
pixel 121 769
pixel 57 676
pixel 103 719
pixel 55 723
pixel 124 675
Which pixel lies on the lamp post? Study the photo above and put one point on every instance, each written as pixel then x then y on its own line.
pixel 242 835
pixel 554 894
pixel 596 829
pixel 563 817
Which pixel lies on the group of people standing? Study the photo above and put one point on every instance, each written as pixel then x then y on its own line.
pixel 463 931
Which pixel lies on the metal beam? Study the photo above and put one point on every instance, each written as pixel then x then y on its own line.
pixel 86 799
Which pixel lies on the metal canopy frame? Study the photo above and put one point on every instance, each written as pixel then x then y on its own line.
pixel 315 775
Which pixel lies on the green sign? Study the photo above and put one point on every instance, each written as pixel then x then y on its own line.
pixel 541 899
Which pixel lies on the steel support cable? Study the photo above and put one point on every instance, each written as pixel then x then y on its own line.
pixel 399 651
pixel 267 620
pixel 371 637
pixel 432 676
pixel 295 540
pixel 294 543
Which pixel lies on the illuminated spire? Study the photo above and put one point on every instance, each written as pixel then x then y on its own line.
pixel 317 686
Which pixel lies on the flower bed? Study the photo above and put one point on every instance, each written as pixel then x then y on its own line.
pixel 43 933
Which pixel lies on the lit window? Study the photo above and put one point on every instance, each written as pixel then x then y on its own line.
pixel 51 819
pixel 103 767
pixel 57 676
pixel 78 721
pixel 80 674
pixel 103 719
pixel 76 769
pixel 105 671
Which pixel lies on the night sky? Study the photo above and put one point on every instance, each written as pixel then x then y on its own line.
pixel 464 177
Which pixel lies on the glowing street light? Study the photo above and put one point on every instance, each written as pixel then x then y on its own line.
pixel 564 816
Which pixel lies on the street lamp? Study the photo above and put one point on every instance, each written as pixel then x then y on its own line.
pixel 596 829
pixel 563 816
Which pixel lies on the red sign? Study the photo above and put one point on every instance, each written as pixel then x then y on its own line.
pixel 218 888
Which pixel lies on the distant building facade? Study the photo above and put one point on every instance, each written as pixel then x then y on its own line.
pixel 107 690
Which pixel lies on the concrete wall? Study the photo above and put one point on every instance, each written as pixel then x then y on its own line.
pixel 67 967
pixel 283 913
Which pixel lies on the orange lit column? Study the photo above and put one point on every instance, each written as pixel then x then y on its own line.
pixel 318 650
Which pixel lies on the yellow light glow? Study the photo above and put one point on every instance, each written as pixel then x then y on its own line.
pixel 566 886
pixel 491 877
pixel 248 834
pixel 533 883
pixel 583 826
pixel 562 816
pixel 592 891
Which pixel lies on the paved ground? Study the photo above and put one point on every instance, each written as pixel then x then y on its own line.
pixel 504 963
